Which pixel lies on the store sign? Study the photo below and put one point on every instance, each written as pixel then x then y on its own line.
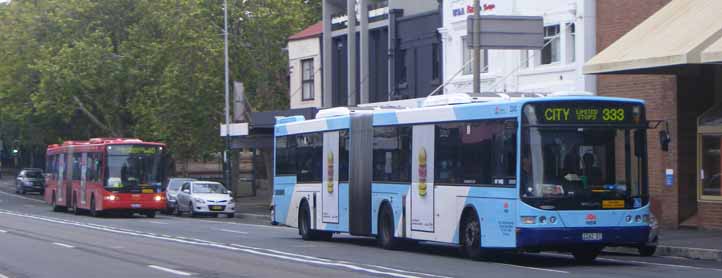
pixel 469 9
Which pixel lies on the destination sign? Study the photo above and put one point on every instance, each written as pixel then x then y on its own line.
pixel 584 112
pixel 132 150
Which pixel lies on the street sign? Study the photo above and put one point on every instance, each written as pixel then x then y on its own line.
pixel 508 32
pixel 239 129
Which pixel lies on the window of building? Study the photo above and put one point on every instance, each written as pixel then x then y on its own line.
pixel 467 56
pixel 571 42
pixel 403 72
pixel 552 41
pixel 392 154
pixel 710 172
pixel 524 58
pixel 436 61
pixel 307 79
pixel 476 153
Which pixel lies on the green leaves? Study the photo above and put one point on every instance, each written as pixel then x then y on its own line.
pixel 74 69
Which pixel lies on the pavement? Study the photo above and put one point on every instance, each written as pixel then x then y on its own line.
pixel 686 243
pixel 36 242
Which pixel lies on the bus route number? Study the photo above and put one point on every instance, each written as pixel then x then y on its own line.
pixel 613 115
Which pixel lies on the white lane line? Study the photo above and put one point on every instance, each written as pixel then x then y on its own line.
pixel 534 268
pixel 63 245
pixel 232 231
pixel 199 242
pixel 244 224
pixel 158 222
pixel 176 272
pixel 659 264
pixel 2 232
pixel 21 197
pixel 3 276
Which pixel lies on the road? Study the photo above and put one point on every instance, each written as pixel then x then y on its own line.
pixel 35 242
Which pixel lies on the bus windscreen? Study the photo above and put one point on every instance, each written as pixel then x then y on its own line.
pixel 134 167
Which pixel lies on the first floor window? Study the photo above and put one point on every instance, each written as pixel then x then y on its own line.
pixel 467 55
pixel 307 79
pixel 552 48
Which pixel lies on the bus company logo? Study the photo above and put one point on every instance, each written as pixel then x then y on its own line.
pixel 422 172
pixel 590 219
pixel 506 207
pixel 499 110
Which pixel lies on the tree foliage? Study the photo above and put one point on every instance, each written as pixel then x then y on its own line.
pixel 74 69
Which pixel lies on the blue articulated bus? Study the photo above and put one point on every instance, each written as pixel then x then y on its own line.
pixel 565 173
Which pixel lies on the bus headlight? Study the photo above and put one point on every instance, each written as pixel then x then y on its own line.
pixel 542 220
pixel 637 218
pixel 628 218
pixel 645 218
pixel 552 220
pixel 528 220
pixel 158 198
pixel 112 197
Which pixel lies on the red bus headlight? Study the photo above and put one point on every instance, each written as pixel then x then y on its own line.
pixel 112 197
pixel 158 198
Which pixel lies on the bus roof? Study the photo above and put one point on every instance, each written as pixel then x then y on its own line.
pixel 100 142
pixel 384 116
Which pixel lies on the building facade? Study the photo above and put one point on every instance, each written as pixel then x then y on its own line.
pixel 304 68
pixel 648 51
pixel 570 39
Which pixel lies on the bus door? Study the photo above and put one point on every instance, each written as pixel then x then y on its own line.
pixel 422 179
pixel 60 181
pixel 329 181
pixel 68 182
pixel 83 175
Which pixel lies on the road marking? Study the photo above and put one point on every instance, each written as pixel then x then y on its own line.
pixel 158 222
pixel 199 242
pixel 245 224
pixel 63 245
pixel 176 272
pixel 533 268
pixel 659 264
pixel 3 276
pixel 21 197
pixel 232 231
pixel 2 232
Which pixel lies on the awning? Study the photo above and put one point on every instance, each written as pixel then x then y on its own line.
pixel 713 53
pixel 675 35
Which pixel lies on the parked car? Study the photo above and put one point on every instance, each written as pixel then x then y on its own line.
pixel 30 180
pixel 171 193
pixel 205 197
pixel 650 247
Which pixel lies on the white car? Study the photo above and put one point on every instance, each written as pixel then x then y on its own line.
pixel 205 197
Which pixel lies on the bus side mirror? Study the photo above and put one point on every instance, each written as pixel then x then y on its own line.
pixel 664 140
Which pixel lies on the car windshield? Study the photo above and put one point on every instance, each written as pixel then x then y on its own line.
pixel 582 168
pixel 209 188
pixel 134 166
pixel 175 184
pixel 33 174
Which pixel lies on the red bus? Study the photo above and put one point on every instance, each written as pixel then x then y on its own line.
pixel 106 175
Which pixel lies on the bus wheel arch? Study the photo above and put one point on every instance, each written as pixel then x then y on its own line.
pixel 470 234
pixel 304 224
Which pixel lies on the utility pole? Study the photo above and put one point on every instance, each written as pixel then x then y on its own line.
pixel 226 153
pixel 476 41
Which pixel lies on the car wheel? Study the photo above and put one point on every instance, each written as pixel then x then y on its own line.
pixel 192 210
pixel 386 238
pixel 586 255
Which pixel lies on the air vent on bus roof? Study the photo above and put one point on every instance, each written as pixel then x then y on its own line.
pixel 449 99
pixel 333 112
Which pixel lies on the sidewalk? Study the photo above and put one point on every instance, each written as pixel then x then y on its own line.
pixel 256 207
pixel 686 243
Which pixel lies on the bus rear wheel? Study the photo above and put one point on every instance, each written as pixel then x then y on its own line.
pixel 304 225
pixel 586 255
pixel 76 210
pixel 386 231
pixel 54 204
pixel 470 236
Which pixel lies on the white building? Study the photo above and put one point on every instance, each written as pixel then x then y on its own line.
pixel 569 32
pixel 304 61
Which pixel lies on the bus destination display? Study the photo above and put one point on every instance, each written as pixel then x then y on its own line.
pixel 591 113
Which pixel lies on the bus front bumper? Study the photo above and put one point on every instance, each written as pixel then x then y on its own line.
pixel 566 238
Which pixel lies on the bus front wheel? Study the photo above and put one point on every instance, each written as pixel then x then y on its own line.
pixel 93 211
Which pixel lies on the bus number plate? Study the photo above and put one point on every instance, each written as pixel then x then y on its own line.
pixel 135 205
pixel 591 236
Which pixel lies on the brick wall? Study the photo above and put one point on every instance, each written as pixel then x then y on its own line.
pixel 614 19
